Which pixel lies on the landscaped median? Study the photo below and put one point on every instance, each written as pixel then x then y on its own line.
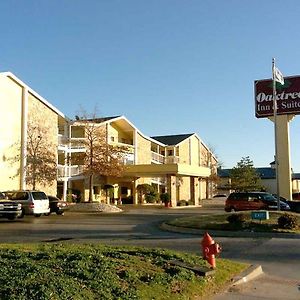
pixel 76 271
pixel 240 222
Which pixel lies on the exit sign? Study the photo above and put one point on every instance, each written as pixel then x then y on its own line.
pixel 260 215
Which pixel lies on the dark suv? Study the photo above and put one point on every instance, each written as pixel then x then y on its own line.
pixel 253 201
pixel 9 209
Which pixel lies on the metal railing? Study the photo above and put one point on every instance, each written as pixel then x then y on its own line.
pixel 158 158
pixel 69 171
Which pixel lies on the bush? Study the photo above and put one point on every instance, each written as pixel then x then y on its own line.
pixel 182 203
pixel 165 197
pixel 287 221
pixel 151 197
pixel 236 219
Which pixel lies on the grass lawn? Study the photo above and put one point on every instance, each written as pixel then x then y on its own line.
pixel 219 222
pixel 75 271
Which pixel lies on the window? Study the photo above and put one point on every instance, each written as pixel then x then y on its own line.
pixel 112 138
pixel 170 152
pixel 39 196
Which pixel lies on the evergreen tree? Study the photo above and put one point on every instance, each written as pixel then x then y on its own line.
pixel 244 176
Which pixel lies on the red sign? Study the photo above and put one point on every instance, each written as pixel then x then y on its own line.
pixel 287 96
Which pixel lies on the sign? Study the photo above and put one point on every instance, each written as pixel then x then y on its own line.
pixel 260 215
pixel 287 96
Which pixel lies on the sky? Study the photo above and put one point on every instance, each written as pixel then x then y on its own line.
pixel 168 66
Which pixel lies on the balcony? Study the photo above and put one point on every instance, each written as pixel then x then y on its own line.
pixel 172 160
pixel 129 159
pixel 70 145
pixel 157 158
pixel 160 159
pixel 159 180
pixel 69 171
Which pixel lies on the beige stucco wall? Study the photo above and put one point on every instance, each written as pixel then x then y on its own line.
pixel 47 118
pixel 190 151
pixel 295 185
pixel 119 135
pixel 184 188
pixel 143 150
pixel 194 144
pixel 203 188
pixel 184 152
pixel 10 132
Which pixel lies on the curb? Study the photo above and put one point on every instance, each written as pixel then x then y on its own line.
pixel 220 233
pixel 249 274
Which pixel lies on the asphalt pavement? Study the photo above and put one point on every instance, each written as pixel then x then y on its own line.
pixel 278 256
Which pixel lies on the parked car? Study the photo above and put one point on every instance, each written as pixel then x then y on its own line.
pixel 294 204
pixel 9 209
pixel 57 206
pixel 33 202
pixel 219 196
pixel 253 201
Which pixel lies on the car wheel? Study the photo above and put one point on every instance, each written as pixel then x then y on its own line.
pixel 60 213
pixel 37 215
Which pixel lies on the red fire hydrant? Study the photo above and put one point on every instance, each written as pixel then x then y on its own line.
pixel 210 249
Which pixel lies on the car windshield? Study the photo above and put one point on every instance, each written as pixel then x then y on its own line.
pixel 268 197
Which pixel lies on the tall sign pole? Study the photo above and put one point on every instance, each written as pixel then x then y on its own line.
pixel 275 132
pixel 278 99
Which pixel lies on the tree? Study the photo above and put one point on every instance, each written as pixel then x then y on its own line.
pixel 100 158
pixel 244 176
pixel 40 156
pixel 210 160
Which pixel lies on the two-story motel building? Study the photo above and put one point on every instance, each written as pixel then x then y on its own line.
pixel 177 164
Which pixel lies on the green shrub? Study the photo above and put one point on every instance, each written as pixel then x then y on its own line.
pixel 182 203
pixel 151 197
pixel 165 197
pixel 236 219
pixel 287 221
pixel 190 202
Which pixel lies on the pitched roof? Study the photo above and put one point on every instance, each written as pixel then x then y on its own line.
pixel 264 173
pixel 100 120
pixel 172 139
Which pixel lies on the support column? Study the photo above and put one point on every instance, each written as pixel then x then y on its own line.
pixel 65 188
pixel 171 189
pixel 134 192
pixel 283 153
pixel 195 190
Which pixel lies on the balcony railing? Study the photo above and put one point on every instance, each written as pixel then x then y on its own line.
pixel 159 180
pixel 129 159
pixel 160 159
pixel 157 158
pixel 172 160
pixel 69 171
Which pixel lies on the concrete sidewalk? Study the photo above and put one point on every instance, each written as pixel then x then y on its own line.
pixel 280 283
pixel 263 287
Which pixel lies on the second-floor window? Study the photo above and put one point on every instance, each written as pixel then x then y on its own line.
pixel 112 138
pixel 170 152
